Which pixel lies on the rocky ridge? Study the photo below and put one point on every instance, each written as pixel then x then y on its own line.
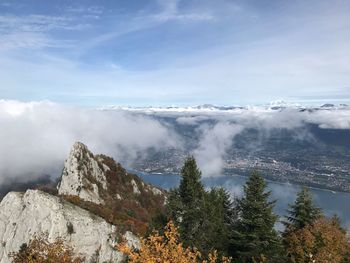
pixel 97 202
pixel 23 215
pixel 82 175
pixel 96 178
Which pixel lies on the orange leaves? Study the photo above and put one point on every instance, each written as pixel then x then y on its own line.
pixel 322 241
pixel 213 258
pixel 167 249
pixel 40 250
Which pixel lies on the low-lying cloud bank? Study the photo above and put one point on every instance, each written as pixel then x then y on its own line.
pixel 272 119
pixel 35 137
pixel 213 144
pixel 216 140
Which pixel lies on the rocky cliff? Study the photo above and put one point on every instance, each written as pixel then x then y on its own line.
pixel 22 215
pixel 83 175
pixel 102 186
pixel 99 178
pixel 97 202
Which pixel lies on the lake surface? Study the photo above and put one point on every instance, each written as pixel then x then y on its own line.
pixel 331 202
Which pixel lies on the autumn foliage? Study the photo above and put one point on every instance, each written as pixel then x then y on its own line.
pixel 40 250
pixel 321 241
pixel 167 248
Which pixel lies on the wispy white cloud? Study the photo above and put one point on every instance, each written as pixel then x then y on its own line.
pixel 214 143
pixel 97 10
pixel 31 40
pixel 245 53
pixel 170 11
pixel 141 21
pixel 37 23
pixel 34 31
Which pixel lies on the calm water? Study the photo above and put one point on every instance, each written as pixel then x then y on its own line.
pixel 331 202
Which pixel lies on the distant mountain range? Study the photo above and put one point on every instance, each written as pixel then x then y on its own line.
pixel 277 105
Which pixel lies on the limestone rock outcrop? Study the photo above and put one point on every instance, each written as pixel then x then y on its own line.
pixel 96 178
pixel 98 201
pixel 23 215
pixel 82 174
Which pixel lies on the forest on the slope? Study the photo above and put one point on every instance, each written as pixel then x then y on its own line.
pixel 208 225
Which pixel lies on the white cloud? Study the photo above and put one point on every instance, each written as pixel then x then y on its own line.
pixel 264 118
pixel 37 23
pixel 35 137
pixel 213 144
pixel 250 61
pixel 30 40
pixel 33 31
pixel 170 11
pixel 94 10
pixel 191 120
pixel 330 119
pixel 215 140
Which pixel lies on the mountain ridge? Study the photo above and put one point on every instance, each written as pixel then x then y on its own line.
pixel 96 197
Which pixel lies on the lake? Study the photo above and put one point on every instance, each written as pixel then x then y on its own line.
pixel 331 202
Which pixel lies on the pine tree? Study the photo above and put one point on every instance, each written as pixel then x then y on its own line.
pixel 303 211
pixel 186 204
pixel 204 218
pixel 192 195
pixel 191 188
pixel 254 234
pixel 219 220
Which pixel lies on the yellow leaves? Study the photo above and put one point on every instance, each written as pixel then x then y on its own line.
pixel 213 258
pixel 323 241
pixel 166 249
pixel 40 250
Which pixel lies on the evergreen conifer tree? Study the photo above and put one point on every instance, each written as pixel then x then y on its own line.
pixel 218 221
pixel 191 189
pixel 186 203
pixel 302 212
pixel 254 233
pixel 204 218
pixel 192 196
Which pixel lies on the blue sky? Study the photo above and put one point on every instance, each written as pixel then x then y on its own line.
pixel 175 52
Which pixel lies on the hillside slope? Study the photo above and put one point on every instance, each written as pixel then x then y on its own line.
pixel 98 201
pixel 102 186
pixel 22 215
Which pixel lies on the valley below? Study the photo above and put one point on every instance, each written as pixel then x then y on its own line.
pixel 284 145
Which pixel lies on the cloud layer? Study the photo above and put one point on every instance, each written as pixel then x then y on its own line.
pixel 35 137
pixel 216 140
pixel 213 144
pixel 267 118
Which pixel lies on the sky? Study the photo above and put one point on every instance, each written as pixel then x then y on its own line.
pixel 174 52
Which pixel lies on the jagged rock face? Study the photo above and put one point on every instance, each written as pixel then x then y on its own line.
pixel 22 215
pixel 82 175
pixel 96 196
pixel 98 178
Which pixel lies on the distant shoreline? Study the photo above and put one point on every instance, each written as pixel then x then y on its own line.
pixel 245 176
